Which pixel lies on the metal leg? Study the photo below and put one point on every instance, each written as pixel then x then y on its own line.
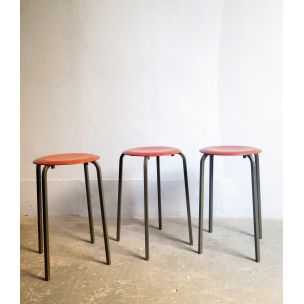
pixel 103 212
pixel 211 193
pixel 160 225
pixel 119 197
pixel 88 191
pixel 45 224
pixel 39 208
pixel 146 207
pixel 187 198
pixel 201 204
pixel 255 208
pixel 257 164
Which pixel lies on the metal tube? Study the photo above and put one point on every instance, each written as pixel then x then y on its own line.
pixel 39 209
pixel 45 224
pixel 119 196
pixel 103 212
pixel 88 192
pixel 211 160
pixel 257 163
pixel 146 211
pixel 201 204
pixel 255 209
pixel 187 198
pixel 160 225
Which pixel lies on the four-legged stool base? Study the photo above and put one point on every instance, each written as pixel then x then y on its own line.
pixel 247 152
pixel 51 161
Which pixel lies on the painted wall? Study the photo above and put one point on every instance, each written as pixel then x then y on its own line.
pixel 102 76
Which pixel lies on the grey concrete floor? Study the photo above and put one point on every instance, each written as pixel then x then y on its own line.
pixel 224 273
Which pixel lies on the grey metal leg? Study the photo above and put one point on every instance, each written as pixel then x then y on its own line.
pixel 146 208
pixel 187 198
pixel 201 204
pixel 255 208
pixel 119 197
pixel 211 193
pixel 45 224
pixel 39 208
pixel 257 163
pixel 160 224
pixel 103 212
pixel 88 192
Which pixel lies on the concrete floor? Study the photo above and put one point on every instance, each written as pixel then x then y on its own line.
pixel 225 273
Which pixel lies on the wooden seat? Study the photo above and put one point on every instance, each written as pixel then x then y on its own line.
pixel 66 159
pixel 231 150
pixel 152 151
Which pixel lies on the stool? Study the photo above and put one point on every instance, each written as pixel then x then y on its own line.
pixel 148 152
pixel 253 155
pixel 51 161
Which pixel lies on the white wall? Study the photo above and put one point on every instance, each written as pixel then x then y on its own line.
pixel 102 76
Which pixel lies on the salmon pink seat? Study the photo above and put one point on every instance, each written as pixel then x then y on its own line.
pixel 152 151
pixel 66 159
pixel 231 150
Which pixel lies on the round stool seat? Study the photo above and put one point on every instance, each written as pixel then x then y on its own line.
pixel 66 159
pixel 152 151
pixel 230 150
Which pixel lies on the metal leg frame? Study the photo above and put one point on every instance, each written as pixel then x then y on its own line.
pixel 103 212
pixel 201 204
pixel 39 209
pixel 146 211
pixel 255 207
pixel 88 192
pixel 45 224
pixel 256 199
pixel 211 162
pixel 160 224
pixel 187 198
pixel 119 197
pixel 43 214
pixel 257 163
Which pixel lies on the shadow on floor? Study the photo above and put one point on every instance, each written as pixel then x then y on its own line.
pixel 31 275
pixel 29 249
pixel 232 228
